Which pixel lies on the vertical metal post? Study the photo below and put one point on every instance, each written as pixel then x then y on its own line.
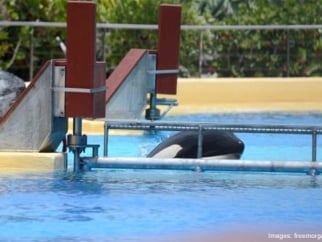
pixel 77 132
pixel 106 131
pixel 77 152
pixel 31 53
pixel 103 44
pixel 200 141
pixel 200 53
pixel 77 126
pixel 288 53
pixel 314 144
pixel 153 113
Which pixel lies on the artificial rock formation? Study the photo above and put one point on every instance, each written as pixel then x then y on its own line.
pixel 10 88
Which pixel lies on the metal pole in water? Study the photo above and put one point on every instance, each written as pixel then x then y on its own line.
pixel 200 141
pixel 77 132
pixel 77 142
pixel 153 113
pixel 77 126
pixel 314 144
pixel 76 152
pixel 106 131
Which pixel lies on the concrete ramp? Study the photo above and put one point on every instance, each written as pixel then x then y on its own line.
pixel 128 85
pixel 142 74
pixel 30 124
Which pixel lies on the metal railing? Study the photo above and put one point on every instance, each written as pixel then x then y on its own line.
pixel 310 168
pixel 314 131
pixel 201 29
pixel 155 26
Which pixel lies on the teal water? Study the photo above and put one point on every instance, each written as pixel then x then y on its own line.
pixel 286 147
pixel 130 205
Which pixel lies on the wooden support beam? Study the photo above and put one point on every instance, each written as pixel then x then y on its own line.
pixel 84 76
pixel 168 47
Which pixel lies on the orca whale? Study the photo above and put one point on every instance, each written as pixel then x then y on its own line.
pixel 215 145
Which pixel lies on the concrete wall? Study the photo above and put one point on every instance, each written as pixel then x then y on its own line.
pixel 249 94
pixel 29 124
pixel 129 99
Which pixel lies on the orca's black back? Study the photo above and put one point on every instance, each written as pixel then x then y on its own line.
pixel 214 143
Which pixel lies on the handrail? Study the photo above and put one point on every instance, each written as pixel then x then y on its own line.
pixel 313 130
pixel 310 168
pixel 155 26
pixel 244 128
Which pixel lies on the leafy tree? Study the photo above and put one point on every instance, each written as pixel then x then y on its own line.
pixel 218 9
pixel 17 42
pixel 233 53
pixel 270 52
pixel 146 12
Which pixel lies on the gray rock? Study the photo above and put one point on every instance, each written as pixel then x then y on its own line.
pixel 10 88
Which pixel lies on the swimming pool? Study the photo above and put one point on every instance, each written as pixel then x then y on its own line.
pixel 133 205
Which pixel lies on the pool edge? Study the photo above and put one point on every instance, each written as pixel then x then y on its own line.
pixel 23 162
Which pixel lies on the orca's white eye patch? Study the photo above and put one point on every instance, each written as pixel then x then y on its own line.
pixel 168 152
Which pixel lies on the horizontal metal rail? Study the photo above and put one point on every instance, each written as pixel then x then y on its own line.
pixel 155 26
pixel 311 168
pixel 312 130
pixel 243 128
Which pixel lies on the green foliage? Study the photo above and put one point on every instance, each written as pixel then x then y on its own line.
pixel 146 12
pixel 232 53
pixel 218 9
pixel 120 41
pixel 16 42
pixel 270 52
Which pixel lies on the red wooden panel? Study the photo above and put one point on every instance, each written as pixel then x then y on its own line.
pixel 81 62
pixel 168 47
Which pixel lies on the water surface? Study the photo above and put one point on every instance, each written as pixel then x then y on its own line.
pixel 132 205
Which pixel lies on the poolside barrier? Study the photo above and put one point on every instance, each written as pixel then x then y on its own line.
pixel 310 168
pixel 314 131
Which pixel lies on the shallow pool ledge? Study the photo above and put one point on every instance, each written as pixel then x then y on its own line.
pixel 31 162
pixel 294 94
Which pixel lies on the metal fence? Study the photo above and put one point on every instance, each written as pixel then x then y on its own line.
pixel 200 164
pixel 313 131
pixel 200 60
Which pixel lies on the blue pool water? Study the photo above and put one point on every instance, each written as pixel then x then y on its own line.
pixel 133 205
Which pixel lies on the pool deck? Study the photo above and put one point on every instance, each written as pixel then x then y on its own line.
pixel 217 95
pixel 249 95
pixel 25 162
